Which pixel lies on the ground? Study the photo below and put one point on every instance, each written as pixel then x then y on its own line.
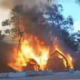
pixel 59 75
pixel 36 78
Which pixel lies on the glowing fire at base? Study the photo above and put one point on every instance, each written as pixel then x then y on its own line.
pixel 68 58
pixel 32 48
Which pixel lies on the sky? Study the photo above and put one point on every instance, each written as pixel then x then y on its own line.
pixel 4 14
pixel 73 9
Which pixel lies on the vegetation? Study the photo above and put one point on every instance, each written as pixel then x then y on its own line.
pixel 36 24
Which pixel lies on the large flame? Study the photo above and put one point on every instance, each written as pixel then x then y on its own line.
pixel 29 50
pixel 32 48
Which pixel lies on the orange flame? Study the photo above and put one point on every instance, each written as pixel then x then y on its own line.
pixel 70 61
pixel 67 56
pixel 32 48
pixel 39 53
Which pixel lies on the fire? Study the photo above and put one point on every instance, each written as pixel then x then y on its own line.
pixel 32 49
pixel 67 56
pixel 39 53
pixel 29 53
pixel 70 60
pixel 61 56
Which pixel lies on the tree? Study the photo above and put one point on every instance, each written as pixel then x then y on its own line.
pixel 1 36
pixel 77 1
pixel 32 20
pixel 70 40
pixel 77 37
pixel 55 15
pixel 36 24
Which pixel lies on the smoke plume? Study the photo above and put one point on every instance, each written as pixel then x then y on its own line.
pixel 30 3
pixel 34 23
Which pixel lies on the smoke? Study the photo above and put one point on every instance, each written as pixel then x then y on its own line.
pixel 32 20
pixel 7 53
pixel 8 4
pixel 31 23
pixel 30 3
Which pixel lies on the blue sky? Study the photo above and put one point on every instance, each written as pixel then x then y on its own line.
pixel 73 9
